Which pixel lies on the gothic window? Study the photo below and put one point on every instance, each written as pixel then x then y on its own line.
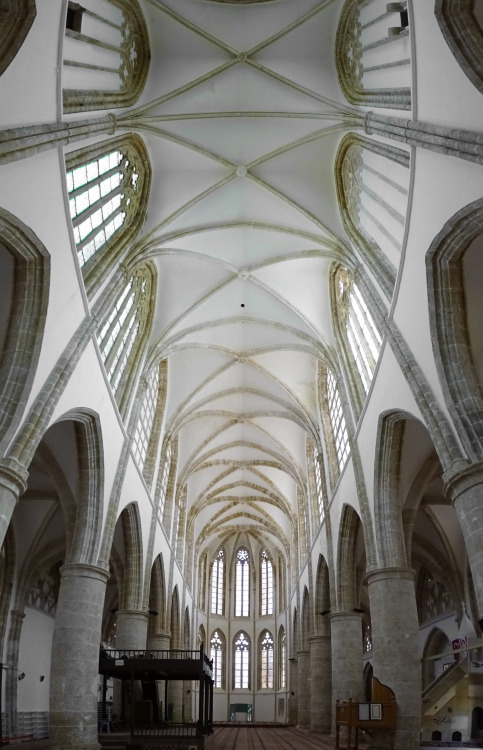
pixel 372 180
pixel 108 188
pixel 359 335
pixel 242 583
pixel 282 598
pixel 461 23
pixel 146 419
pixel 282 659
pixel 45 591
pixel 164 481
pixel 266 661
pixel 218 584
pixel 318 486
pixel 241 675
pixel 266 584
pixel 217 654
pixel 202 582
pixel 373 54
pixel 337 419
pixel 123 329
pixel 106 55
pixel 367 637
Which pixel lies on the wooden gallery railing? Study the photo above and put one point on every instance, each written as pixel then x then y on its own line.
pixel 380 713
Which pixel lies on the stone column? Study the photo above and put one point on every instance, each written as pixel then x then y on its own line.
pixel 293 693
pixel 158 642
pixel 13 483
pixel 304 675
pixel 75 658
pixel 346 641
pixel 395 647
pixel 321 684
pixel 11 686
pixel 131 629
pixel 465 490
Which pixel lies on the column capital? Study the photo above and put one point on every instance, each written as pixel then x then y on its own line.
pixel 460 480
pixel 13 476
pixel 86 571
pixel 392 572
pixel 318 639
pixel 345 616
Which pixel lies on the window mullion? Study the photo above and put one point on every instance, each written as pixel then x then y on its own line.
pixel 98 206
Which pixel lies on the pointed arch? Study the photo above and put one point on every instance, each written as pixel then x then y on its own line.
pixel 218 656
pixel 307 629
pixel 157 596
pixel 16 24
pixel 451 262
pixel 132 584
pixel 175 620
pixel 25 280
pixel 463 35
pixel 350 524
pixel 322 598
pixel 266 661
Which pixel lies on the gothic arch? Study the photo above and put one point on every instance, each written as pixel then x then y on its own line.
pixel 134 57
pixel 175 628
pixel 455 343
pixel 349 51
pixel 25 276
pixel 16 24
pixel 157 596
pixel 463 35
pixel 437 642
pixel 346 560
pixel 131 594
pixel 307 629
pixel 322 598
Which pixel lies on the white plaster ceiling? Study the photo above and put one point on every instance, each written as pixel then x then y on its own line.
pixel 243 225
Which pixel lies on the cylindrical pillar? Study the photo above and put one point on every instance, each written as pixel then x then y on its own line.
pixel 293 696
pixel 346 641
pixel 304 675
pixel 321 684
pixel 396 657
pixel 465 490
pixel 75 658
pixel 13 483
pixel 131 629
pixel 158 642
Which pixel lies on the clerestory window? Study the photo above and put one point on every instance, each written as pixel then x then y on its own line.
pixel 337 419
pixel 318 486
pixel 164 481
pixel 282 659
pixel 122 330
pixel 266 584
pixel 146 419
pixel 217 584
pixel 217 654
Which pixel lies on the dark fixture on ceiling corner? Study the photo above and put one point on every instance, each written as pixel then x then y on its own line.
pixel 153 612
pixel 325 612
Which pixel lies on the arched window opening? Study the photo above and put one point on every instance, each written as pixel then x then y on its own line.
pixel 242 583
pixel 337 419
pixel 100 194
pixel 373 54
pixel 282 585
pixel 106 55
pixel 318 486
pixel 356 327
pixel 218 584
pixel 241 677
pixel 17 19
pixel 217 649
pixel 461 23
pixel 124 325
pixel 372 182
pixel 146 419
pixel 266 660
pixel 164 481
pixel 282 659
pixel 266 581
pixel 202 582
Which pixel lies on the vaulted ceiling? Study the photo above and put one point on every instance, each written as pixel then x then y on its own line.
pixel 242 115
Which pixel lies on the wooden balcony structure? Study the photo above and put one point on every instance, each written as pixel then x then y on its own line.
pixel 148 725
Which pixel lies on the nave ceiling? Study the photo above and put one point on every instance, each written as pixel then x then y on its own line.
pixel 242 115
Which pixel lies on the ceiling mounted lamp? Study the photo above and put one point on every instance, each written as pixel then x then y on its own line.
pixel 21 675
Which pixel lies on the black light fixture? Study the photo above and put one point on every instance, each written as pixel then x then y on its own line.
pixel 21 675
pixel 113 611
pixel 42 678
pixel 359 610
pixel 325 612
pixel 153 612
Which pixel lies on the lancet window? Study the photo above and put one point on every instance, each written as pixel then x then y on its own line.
pixel 266 584
pixel 217 654
pixel 337 419
pixel 242 583
pixel 218 584
pixel 144 426
pixel 266 660
pixel 241 675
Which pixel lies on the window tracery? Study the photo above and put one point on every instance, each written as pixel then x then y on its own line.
pixel 282 659
pixel 45 591
pixel 106 55
pixel 373 54
pixel 318 486
pixel 217 654
pixel 218 584
pixel 164 480
pixel 108 188
pixel 241 673
pixel 242 583
pixel 266 664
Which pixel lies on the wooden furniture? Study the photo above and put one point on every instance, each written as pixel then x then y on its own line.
pixel 380 713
